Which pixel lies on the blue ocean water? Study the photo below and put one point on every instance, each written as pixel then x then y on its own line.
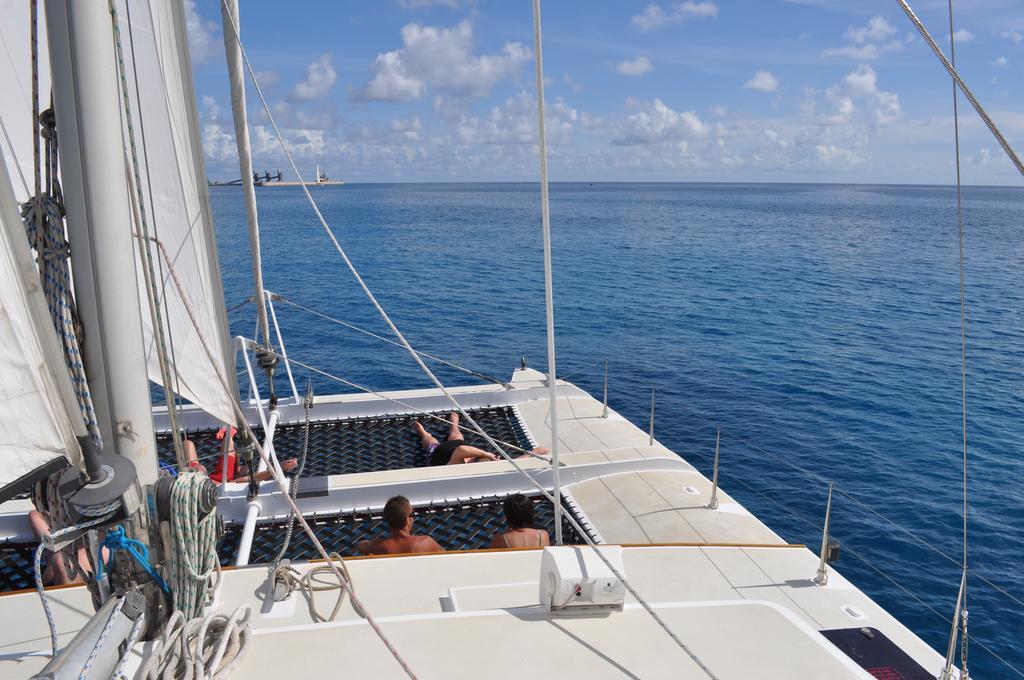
pixel 817 325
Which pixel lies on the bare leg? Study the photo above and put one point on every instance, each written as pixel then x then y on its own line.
pixel 426 439
pixel 453 431
pixel 470 454
pixel 539 451
pixel 192 457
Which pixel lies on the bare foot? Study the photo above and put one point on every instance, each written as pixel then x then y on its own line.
pixel 541 451
pixel 453 418
pixel 420 430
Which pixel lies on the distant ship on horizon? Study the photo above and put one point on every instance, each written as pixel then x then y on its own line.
pixel 269 180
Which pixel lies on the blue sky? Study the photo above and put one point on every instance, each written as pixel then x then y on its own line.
pixel 684 90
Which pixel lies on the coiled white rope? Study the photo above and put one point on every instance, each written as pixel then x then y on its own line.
pixel 307 583
pixel 193 566
pixel 202 648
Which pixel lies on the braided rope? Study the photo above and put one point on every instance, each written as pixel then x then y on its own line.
pixel 205 648
pixel 43 217
pixel 133 637
pixel 192 561
pixel 101 641
pixel 37 568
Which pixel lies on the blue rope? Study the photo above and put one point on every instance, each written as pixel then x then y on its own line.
pixel 117 540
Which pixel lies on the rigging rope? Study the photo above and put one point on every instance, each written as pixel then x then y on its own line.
pixel 38 571
pixel 962 602
pixel 43 216
pixel 116 540
pixel 549 305
pixel 962 85
pixel 293 485
pixel 193 567
pixel 332 319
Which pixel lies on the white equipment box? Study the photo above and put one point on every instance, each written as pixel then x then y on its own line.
pixel 573 580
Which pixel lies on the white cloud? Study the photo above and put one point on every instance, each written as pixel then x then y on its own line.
pixel 962 35
pixel 201 34
pixel 1015 36
pixel 515 122
pixel 441 58
pixel 654 17
pixel 868 52
pixel 421 4
pixel 656 122
pixel 763 81
pixel 981 158
pixel 320 78
pixel 1000 61
pixel 861 84
pixel 876 30
pixel 635 67
pixel 267 78
pixel 867 42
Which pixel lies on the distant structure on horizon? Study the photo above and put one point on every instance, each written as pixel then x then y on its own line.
pixel 269 180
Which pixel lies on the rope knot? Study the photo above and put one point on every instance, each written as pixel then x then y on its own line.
pixel 115 540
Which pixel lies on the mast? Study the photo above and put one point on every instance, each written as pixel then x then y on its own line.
pixel 233 51
pixel 99 220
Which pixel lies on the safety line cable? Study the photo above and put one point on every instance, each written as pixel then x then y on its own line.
pixel 962 597
pixel 867 562
pixel 335 320
pixel 862 504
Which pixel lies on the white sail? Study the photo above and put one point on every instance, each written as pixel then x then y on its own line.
pixel 16 86
pixel 35 391
pixel 174 193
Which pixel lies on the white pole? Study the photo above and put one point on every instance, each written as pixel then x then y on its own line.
pixel 87 102
pixel 548 290
pixel 253 508
pixel 233 51
pixel 822 577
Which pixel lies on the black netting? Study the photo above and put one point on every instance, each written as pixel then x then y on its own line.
pixel 16 567
pixel 338 447
pixel 462 526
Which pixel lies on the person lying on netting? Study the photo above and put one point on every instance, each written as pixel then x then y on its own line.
pixel 398 515
pixel 228 468
pixel 455 450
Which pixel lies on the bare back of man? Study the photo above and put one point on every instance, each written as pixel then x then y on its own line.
pixel 400 544
pixel 399 518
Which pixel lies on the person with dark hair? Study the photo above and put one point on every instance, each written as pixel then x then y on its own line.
pixel 521 532
pixel 399 518
pixel 455 450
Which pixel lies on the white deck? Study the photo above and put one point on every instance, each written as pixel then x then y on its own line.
pixel 736 593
